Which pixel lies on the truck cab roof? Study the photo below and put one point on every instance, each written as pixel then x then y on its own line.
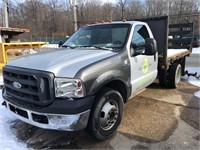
pixel 119 22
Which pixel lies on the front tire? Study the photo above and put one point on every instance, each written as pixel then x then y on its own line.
pixel 106 114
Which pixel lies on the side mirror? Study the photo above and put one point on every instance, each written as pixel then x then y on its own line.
pixel 151 46
pixel 137 49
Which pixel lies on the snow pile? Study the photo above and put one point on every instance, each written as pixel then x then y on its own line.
pixel 27 52
pixel 1 80
pixel 8 139
pixel 50 46
pixel 191 79
pixel 197 94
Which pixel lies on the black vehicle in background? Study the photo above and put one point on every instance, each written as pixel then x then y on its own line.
pixel 195 39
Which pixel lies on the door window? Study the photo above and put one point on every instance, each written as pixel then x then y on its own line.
pixel 138 40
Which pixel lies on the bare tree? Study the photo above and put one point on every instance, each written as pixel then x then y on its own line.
pixel 1 15
pixel 107 11
pixel 89 11
pixel 122 4
pixel 50 18
pixel 135 9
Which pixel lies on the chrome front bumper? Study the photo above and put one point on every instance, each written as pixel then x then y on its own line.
pixel 72 122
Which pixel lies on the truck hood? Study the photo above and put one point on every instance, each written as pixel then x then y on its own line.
pixel 62 62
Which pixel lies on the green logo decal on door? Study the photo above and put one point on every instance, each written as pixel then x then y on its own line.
pixel 145 66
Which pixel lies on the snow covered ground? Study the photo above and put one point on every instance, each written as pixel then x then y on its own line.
pixel 193 80
pixel 8 140
pixel 196 50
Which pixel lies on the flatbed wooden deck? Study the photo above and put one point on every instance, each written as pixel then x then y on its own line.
pixel 175 54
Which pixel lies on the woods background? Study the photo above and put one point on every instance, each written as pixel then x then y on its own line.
pixel 54 18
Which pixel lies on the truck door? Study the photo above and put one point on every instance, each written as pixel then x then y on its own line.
pixel 143 67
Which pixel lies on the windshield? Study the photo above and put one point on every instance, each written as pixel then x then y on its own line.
pixel 102 36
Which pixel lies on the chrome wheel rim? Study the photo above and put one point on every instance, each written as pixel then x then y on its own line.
pixel 178 76
pixel 109 115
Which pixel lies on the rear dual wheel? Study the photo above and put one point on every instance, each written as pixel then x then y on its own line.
pixel 171 78
pixel 175 73
pixel 163 78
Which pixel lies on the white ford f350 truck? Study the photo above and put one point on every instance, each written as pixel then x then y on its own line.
pixel 85 83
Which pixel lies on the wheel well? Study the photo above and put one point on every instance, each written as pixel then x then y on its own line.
pixel 118 86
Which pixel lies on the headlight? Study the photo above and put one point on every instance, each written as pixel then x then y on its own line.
pixel 72 88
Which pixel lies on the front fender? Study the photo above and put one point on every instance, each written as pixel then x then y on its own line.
pixel 96 75
pixel 104 79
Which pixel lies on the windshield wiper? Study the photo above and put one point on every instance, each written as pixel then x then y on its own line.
pixel 97 47
pixel 68 46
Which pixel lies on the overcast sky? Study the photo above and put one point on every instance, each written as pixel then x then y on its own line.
pixel 109 1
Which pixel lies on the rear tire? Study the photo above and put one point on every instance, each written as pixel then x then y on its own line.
pixel 163 78
pixel 106 114
pixel 175 72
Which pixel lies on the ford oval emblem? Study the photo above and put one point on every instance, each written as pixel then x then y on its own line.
pixel 16 85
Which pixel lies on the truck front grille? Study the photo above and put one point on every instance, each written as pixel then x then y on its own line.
pixel 29 86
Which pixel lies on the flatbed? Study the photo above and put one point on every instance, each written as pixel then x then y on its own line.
pixel 175 54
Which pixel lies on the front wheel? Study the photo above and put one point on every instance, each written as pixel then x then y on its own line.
pixel 106 114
